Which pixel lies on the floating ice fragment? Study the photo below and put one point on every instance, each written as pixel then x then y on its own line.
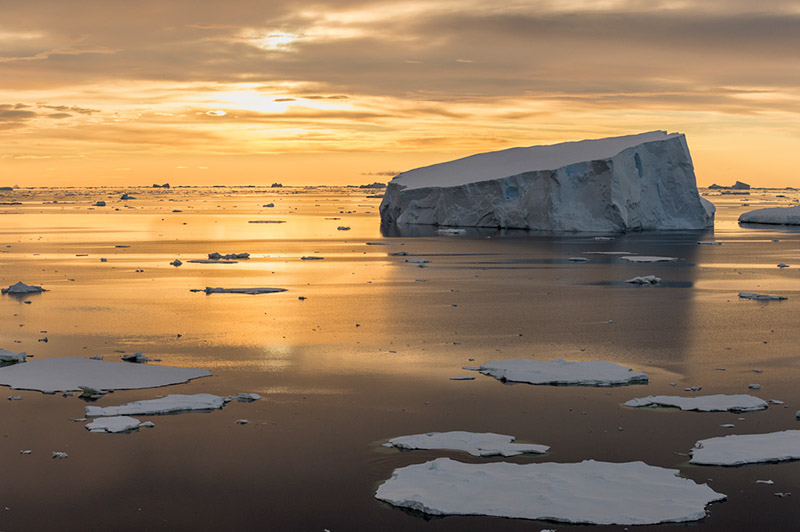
pixel 710 242
pixel 138 358
pixel 578 259
pixel 229 256
pixel 590 492
pixel 451 231
pixel 148 424
pixel 165 405
pixel 647 279
pixel 113 424
pixel 765 482
pixel 25 451
pixel 176 263
pixel 10 357
pixel 14 398
pixel 417 260
pixel 242 421
pixel 646 258
pixel 775 402
pixel 471 368
pixel 475 443
pixel 213 261
pixel 588 373
pixel 772 216
pixel 100 204
pixel 462 378
pixel 343 228
pixel 22 288
pixel 760 297
pixel 607 253
pixel 251 291
pixel 247 397
pixel 705 403
pixel 59 454
pixel 384 243
pixel 728 426
pixel 747 449
pixel 782 265
pixel 267 222
pixel 754 386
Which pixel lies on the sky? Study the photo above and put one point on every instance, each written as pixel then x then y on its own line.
pixel 348 92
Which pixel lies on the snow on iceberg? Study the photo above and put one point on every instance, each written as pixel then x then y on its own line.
pixel 476 444
pixel 113 424
pixel 704 403
pixel 634 182
pixel 588 373
pixel 164 405
pixel 588 492
pixel 747 449
pixel 22 288
pixel 773 216
pixel 70 374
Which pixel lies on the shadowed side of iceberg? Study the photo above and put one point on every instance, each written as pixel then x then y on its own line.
pixel 646 186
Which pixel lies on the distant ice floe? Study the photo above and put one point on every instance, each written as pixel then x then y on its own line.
pixel 176 263
pixel 773 216
pixel 384 243
pixel 267 222
pixel 747 449
pixel 70 374
pixel 311 257
pixel 251 291
pixel 760 297
pixel 164 405
pixel 475 443
pixel 22 288
pixel 113 424
pixel 646 280
pixel 247 397
pixel 417 260
pixel 704 403
pixel 588 373
pixel 648 258
pixel 10 357
pixel 578 259
pixel 447 231
pixel 588 492
pixel 229 256
pixel 709 242
pixel 138 358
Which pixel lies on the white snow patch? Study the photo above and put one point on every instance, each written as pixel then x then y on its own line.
pixel 22 288
pixel 475 443
pixel 648 258
pixel 590 492
pixel 703 403
pixel 747 449
pixel 760 297
pixel 588 373
pixel 165 405
pixel 773 216
pixel 113 424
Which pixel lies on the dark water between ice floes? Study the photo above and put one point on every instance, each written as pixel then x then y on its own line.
pixel 368 355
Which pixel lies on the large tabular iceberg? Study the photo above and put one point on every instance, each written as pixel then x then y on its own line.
pixel 630 183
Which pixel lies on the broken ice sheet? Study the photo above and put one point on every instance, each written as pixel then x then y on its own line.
pixel 165 405
pixel 113 424
pixel 588 373
pixel 66 374
pixel 703 403
pixel 589 492
pixel 747 449
pixel 475 443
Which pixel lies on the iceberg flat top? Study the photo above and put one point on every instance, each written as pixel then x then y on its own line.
pixel 590 492
pixel 705 403
pixel 589 373
pixel 475 443
pixel 164 405
pixel 70 373
pixel 747 449
pixel 773 215
pixel 513 161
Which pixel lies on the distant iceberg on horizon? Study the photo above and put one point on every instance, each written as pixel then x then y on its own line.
pixel 641 182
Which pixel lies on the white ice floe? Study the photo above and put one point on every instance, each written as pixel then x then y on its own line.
pixel 634 182
pixel 138 358
pixel 760 297
pixel 229 256
pixel 773 216
pixel 647 279
pixel 587 373
pixel 52 375
pixel 475 443
pixel 22 288
pixel 578 259
pixel 417 260
pixel 589 492
pixel 248 397
pixel 251 291
pixel 165 405
pixel 648 258
pixel 113 424
pixel 704 403
pixel 747 449
pixel 10 357
pixel 60 454
pixel 242 421
pixel 462 378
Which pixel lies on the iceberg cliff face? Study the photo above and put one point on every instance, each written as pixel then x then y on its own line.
pixel 631 183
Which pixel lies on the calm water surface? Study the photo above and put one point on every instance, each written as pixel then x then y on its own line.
pixel 367 355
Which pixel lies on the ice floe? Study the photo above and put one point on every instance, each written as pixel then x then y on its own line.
pixel 648 258
pixel 586 373
pixel 647 279
pixel 251 291
pixel 704 403
pixel 22 288
pixel 462 378
pixel 247 397
pixel 589 492
pixel 138 358
pixel 66 374
pixel 417 260
pixel 475 443
pixel 267 222
pixel 213 261
pixel 164 405
pixel 229 256
pixel 311 257
pixel 773 216
pixel 709 242
pixel 10 357
pixel 747 449
pixel 113 424
pixel 578 259
pixel 760 297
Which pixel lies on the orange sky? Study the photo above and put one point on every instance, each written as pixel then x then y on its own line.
pixel 346 92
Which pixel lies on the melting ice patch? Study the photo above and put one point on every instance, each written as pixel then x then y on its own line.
pixel 71 374
pixel 476 444
pixel 747 449
pixel 590 492
pixel 705 403
pixel 165 405
pixel 589 373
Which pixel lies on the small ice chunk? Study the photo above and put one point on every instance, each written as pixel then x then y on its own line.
pixel 10 357
pixel 770 482
pixel 587 492
pixel 229 256
pixel 25 451
pixel 15 398
pixel 783 265
pixel 578 259
pixel 754 386
pixel 588 373
pixel 251 291
pixel 310 257
pixel 176 263
pixel 747 449
pixel 647 280
pixel 648 258
pixel 760 297
pixel 267 222
pixel 59 454
pixel 22 288
pixel 775 402
pixel 213 261
pixel 728 426
pixel 165 405
pixel 247 397
pixel 242 421
pixel 710 242
pixel 100 204
pixel 400 254
pixel 343 228
pixel 138 358
pixel 475 443
pixel 704 403
pixel 417 260
pixel 446 231
pixel 462 378
pixel 113 424
pixel 471 368
pixel 607 253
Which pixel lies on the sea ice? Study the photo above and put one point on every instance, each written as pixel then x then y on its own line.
pixel 22 288
pixel 634 182
pixel 647 279
pixel 247 397
pixel 760 297
pixel 587 373
pixel 773 216
pixel 66 374
pixel 113 424
pixel 462 378
pixel 417 260
pixel 310 257
pixel 251 291
pixel 589 492
pixel 229 256
pixel 645 258
pixel 138 358
pixel 267 222
pixel 578 259
pixel 747 449
pixel 710 242
pixel 176 263
pixel 475 443
pixel 10 357
pixel 213 261
pixel 165 405
pixel 60 454
pixel 704 403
